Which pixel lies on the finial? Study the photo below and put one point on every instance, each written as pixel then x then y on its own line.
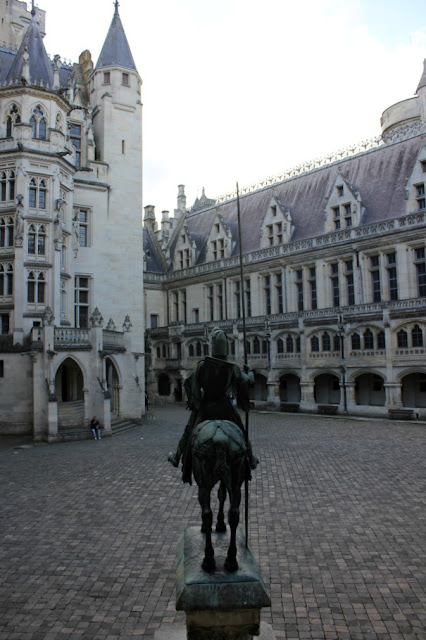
pixel 33 11
pixel 116 4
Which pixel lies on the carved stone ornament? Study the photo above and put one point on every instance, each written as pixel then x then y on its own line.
pixel 111 326
pixel 19 221
pixel 49 318
pixel 127 325
pixel 96 319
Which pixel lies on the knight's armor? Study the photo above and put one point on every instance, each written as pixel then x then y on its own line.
pixel 208 389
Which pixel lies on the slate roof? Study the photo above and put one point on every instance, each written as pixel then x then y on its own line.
pixel 40 64
pixel 380 175
pixel 116 51
pixel 153 264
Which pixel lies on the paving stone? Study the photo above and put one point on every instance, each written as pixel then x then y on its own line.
pixel 89 532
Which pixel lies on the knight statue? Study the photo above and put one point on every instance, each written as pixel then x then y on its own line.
pixel 208 391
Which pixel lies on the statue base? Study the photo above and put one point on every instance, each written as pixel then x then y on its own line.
pixel 219 604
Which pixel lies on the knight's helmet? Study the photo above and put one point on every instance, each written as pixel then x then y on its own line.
pixel 219 344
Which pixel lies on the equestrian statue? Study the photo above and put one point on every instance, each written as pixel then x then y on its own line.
pixel 214 446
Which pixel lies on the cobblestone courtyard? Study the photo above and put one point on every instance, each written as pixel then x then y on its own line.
pixel 89 530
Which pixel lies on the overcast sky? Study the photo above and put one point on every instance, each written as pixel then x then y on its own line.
pixel 240 90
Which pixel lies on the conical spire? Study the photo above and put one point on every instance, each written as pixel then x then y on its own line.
pixel 32 61
pixel 422 82
pixel 116 51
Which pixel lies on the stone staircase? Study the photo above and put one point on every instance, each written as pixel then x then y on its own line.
pixel 119 425
pixel 71 424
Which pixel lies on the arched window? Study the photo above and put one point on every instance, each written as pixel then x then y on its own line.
pixel 326 342
pixel 336 342
pixel 37 240
pixel 280 345
pixel 12 118
pixel 6 231
pixel 158 352
pixel 248 347
pixel 314 344
pixel 3 186
pixel 11 181
pixel 198 348
pixel 164 351
pixel 37 193
pixel 256 345
pixel 417 336
pixel 402 339
pixel 6 280
pixel 191 350
pixel 38 123
pixel 368 339
pixel 298 344
pixel 356 342
pixel 381 340
pixel 289 344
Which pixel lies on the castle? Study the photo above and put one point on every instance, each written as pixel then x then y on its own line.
pixel 334 284
pixel 71 268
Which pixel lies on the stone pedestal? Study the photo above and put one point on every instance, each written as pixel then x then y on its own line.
pixel 218 604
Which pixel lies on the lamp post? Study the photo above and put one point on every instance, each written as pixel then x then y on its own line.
pixel 341 334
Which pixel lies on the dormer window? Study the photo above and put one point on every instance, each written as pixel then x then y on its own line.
pixel 336 216
pixel 339 189
pixel 274 210
pixel 420 195
pixel 346 214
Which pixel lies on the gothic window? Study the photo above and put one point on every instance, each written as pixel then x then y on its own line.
pixel 289 345
pixel 299 289
pixel 210 302
pixel 417 336
pixel 368 339
pixel 356 342
pixel 392 276
pixel 6 280
pixel 36 287
pixel 38 123
pixel 280 345
pixel 326 342
pixel 336 342
pixel 6 232
pixel 75 138
pixel 279 292
pixel 198 348
pixel 164 351
pixel 36 240
pixel 375 278
pixel 12 118
pixel 7 185
pixel 314 344
pixel 313 287
pixel 402 339
pixel 349 276
pixel 63 300
pixel 298 344
pixel 256 345
pixel 334 278
pixel 267 293
pixel 219 292
pixel 3 186
pixel 81 301
pixel 191 350
pixel 381 340
pixel 420 262
pixel 420 195
pixel 248 347
pixel 247 296
pixel 237 298
pixel 37 193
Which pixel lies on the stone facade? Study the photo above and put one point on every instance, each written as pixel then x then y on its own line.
pixel 72 332
pixel 334 257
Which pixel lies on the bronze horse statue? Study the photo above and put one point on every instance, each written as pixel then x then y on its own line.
pixel 219 454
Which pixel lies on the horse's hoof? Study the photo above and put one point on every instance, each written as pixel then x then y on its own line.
pixel 231 565
pixel 220 528
pixel 209 565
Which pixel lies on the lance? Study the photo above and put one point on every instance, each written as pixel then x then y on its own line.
pixel 246 485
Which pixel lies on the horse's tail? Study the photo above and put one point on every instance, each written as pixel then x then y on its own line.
pixel 222 469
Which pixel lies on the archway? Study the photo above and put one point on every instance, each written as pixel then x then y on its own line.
pixel 113 386
pixel 259 391
pixel 414 390
pixel 163 385
pixel 370 390
pixel 69 382
pixel 327 389
pixel 289 388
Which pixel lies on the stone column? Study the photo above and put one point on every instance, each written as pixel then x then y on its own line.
pixel 307 395
pixel 273 400
pixel 350 395
pixel 393 391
